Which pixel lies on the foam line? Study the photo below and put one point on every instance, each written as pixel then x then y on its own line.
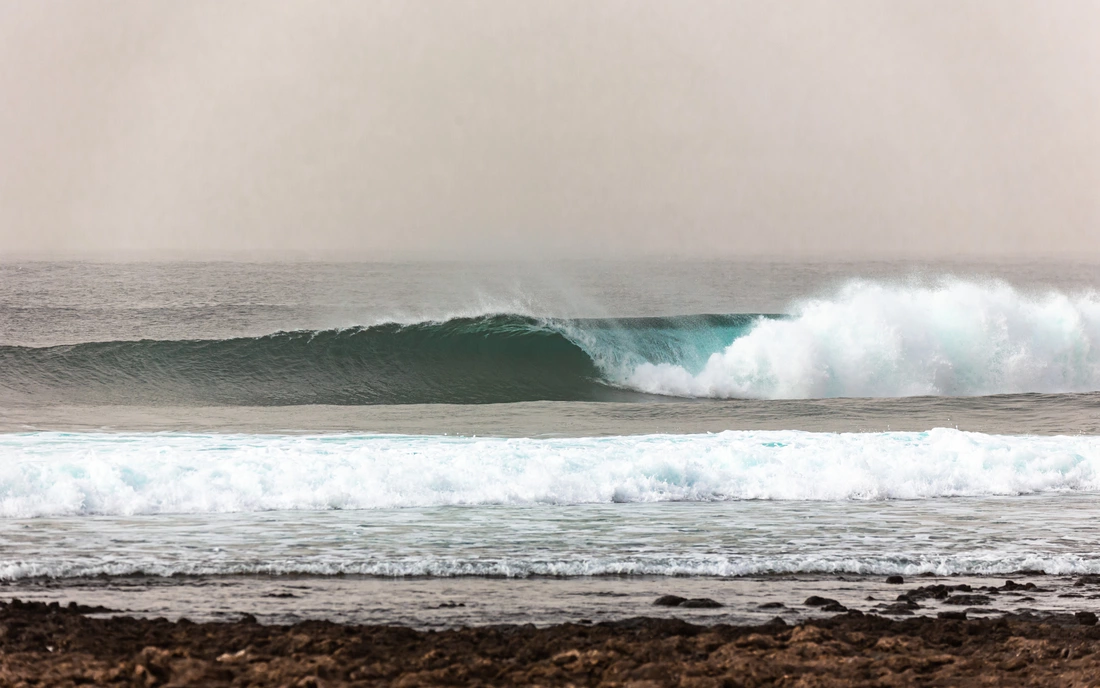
pixel 48 474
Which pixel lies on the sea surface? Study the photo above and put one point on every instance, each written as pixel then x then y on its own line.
pixel 536 441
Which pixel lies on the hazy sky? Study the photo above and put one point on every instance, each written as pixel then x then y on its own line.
pixel 558 127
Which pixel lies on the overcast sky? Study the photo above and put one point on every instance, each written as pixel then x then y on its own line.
pixel 514 128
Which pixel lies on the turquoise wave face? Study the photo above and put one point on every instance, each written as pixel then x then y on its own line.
pixel 486 359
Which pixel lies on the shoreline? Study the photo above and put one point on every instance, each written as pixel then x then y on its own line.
pixel 441 603
pixel 56 645
pixel 427 602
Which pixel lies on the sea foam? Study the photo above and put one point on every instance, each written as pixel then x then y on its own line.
pixel 53 474
pixel 954 338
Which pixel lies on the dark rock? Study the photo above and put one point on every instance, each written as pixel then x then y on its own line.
pixel 956 616
pixel 669 601
pixel 772 605
pixel 700 603
pixel 816 601
pixel 834 607
pixel 776 621
pixel 1090 579
pixel 968 599
pixel 897 609
pixel 1086 618
pixel 1013 586
pixel 895 580
pixel 937 592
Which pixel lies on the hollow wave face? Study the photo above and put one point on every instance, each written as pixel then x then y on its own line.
pixel 874 340
pixel 55 474
pixel 467 360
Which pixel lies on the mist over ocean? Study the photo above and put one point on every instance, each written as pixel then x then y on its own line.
pixel 449 420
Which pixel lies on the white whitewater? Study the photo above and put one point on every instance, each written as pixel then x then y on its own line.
pixel 953 338
pixel 55 474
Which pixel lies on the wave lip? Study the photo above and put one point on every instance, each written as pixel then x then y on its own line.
pixel 54 474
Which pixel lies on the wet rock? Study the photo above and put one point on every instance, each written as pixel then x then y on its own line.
pixel 54 607
pixel 669 601
pixel 816 601
pixel 1085 618
pixel 956 616
pixel 895 580
pixel 841 650
pixel 1013 586
pixel 451 605
pixel 834 607
pixel 968 600
pixel 772 605
pixel 700 603
pixel 936 592
pixel 896 609
pixel 1090 579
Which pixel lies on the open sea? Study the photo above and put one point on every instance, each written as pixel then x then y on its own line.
pixel 446 443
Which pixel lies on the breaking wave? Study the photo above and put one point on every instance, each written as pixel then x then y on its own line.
pixel 55 474
pixel 953 338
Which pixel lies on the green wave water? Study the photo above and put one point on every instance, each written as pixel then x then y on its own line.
pixel 484 359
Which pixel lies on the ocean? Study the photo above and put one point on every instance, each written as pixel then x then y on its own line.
pixel 452 443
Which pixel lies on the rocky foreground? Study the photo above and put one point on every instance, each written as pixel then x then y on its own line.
pixel 52 645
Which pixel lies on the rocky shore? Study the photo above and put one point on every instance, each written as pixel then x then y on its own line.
pixel 44 644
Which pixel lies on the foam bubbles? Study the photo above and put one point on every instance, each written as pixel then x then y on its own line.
pixel 53 474
pixel 880 340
